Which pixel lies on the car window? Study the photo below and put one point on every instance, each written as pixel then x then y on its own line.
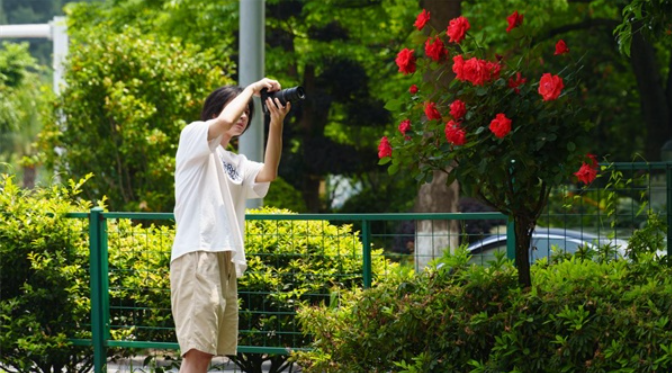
pixel 542 247
pixel 483 256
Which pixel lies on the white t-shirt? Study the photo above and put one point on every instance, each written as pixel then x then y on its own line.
pixel 211 186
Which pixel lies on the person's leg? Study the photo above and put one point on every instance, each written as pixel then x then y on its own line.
pixel 228 326
pixel 195 361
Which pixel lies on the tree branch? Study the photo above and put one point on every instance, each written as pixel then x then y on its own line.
pixel 584 25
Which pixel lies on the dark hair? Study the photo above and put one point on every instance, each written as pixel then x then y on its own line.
pixel 215 102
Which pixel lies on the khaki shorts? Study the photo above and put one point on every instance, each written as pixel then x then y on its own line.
pixel 204 300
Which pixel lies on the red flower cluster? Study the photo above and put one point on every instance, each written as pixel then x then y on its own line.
pixel 457 29
pixel 454 134
pixel 404 126
pixel 515 83
pixel 587 172
pixel 458 109
pixel 384 148
pixel 500 126
pixel 550 86
pixel 406 61
pixel 514 20
pixel 431 111
pixel 421 20
pixel 561 47
pixel 476 71
pixel 435 50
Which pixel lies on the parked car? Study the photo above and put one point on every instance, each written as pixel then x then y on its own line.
pixel 544 240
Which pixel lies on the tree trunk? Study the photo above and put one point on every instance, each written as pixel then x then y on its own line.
pixel 29 175
pixel 433 237
pixel 653 100
pixel 523 232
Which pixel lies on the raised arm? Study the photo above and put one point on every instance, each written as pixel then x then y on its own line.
pixel 234 109
pixel 274 144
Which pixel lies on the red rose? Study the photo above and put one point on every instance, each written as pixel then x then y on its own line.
pixel 514 20
pixel 593 160
pixel 404 126
pixel 500 126
pixel 457 28
pixel 476 71
pixel 494 69
pixel 421 20
pixel 454 134
pixel 458 109
pixel 550 86
pixel 413 89
pixel 431 112
pixel 458 67
pixel 384 148
pixel 561 47
pixel 586 174
pixel 406 61
pixel 435 51
pixel 515 83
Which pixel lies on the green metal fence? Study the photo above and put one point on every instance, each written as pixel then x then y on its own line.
pixel 129 257
pixel 126 302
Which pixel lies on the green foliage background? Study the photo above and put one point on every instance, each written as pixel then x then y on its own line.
pixel 128 96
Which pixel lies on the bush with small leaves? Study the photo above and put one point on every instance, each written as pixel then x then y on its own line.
pixel 44 287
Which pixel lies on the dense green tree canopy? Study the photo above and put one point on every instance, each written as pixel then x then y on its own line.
pixel 128 96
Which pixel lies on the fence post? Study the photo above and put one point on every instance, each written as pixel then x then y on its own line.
pixel 366 248
pixel 510 239
pixel 668 203
pixel 98 334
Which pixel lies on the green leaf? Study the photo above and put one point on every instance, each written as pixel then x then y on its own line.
pixel 571 146
pixel 393 169
pixel 394 105
pixel 418 38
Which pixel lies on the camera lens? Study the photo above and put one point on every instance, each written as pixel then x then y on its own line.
pixel 289 94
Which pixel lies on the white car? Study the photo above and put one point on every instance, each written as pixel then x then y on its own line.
pixel 544 240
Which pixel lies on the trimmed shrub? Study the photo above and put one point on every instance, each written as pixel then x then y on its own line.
pixel 580 316
pixel 44 287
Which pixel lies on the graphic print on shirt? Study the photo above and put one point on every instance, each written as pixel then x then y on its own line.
pixel 231 171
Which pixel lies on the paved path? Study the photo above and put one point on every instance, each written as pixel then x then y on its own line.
pixel 134 365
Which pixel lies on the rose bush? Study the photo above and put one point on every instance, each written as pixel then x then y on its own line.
pixel 504 127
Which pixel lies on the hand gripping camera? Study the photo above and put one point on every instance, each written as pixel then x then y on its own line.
pixel 289 94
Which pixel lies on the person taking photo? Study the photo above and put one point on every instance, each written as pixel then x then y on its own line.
pixel 211 187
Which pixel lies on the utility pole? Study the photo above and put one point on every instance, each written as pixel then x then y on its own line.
pixel 251 69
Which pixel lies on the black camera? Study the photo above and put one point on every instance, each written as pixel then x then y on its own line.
pixel 285 95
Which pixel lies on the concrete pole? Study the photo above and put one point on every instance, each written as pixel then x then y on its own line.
pixel 59 34
pixel 251 69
